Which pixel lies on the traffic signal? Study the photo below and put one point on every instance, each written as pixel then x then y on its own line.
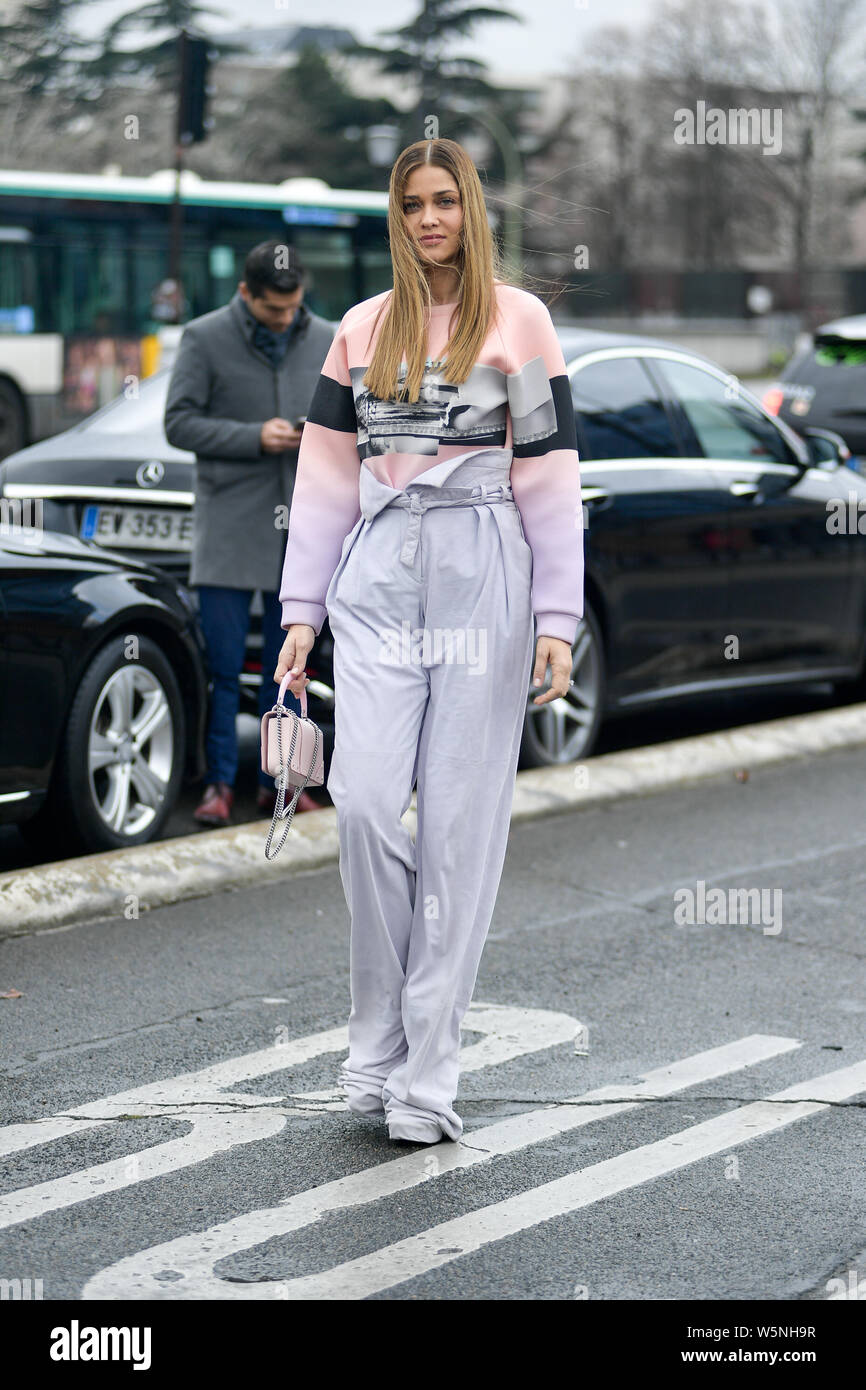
pixel 194 62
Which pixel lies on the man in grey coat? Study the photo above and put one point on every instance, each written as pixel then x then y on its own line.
pixel 243 380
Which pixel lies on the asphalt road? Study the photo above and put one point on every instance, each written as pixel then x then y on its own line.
pixel 683 1182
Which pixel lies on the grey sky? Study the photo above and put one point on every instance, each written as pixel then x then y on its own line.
pixel 553 31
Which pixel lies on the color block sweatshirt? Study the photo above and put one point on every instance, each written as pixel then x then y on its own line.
pixel 517 397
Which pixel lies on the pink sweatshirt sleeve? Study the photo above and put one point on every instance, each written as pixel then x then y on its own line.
pixel 545 471
pixel 326 495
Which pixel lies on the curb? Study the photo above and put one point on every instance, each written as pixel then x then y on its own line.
pixel 126 882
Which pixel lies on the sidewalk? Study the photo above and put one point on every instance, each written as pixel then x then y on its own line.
pixel 130 882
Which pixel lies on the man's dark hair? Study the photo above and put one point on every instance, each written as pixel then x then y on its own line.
pixel 272 265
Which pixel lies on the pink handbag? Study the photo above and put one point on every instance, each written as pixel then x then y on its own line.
pixel 292 753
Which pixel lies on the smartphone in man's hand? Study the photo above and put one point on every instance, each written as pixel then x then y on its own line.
pixel 277 435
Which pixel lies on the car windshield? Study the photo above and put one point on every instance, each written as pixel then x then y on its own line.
pixel 834 376
pixel 132 413
pixel 836 352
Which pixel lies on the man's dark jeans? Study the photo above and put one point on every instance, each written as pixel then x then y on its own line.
pixel 225 621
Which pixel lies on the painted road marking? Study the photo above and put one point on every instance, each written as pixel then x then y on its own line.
pixel 184 1267
pixel 394 1264
pixel 220 1118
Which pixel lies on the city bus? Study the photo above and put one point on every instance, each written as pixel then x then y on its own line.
pixel 84 260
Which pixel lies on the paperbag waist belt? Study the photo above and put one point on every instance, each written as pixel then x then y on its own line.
pixel 416 505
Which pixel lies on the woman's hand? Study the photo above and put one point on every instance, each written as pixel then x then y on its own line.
pixel 293 656
pixel 557 653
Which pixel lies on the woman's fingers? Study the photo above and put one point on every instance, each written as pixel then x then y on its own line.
pixel 557 655
pixel 298 684
pixel 292 662
pixel 285 660
pixel 293 657
pixel 541 658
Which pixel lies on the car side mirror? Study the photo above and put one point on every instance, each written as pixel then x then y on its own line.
pixel 826 448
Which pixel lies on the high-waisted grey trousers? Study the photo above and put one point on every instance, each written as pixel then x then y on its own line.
pixel 430 610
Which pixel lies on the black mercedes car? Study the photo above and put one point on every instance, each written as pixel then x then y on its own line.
pixel 713 559
pixel 718 557
pixel 103 691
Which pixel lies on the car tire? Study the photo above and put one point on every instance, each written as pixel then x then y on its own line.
pixel 99 801
pixel 566 730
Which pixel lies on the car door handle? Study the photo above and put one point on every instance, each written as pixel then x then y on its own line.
pixel 741 488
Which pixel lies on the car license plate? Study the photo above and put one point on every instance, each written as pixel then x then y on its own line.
pixel 137 528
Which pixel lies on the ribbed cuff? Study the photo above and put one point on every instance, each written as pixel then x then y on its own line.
pixel 313 614
pixel 561 625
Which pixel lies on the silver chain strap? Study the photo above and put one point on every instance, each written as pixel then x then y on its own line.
pixel 282 779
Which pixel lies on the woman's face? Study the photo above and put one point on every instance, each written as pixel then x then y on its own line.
pixel 433 212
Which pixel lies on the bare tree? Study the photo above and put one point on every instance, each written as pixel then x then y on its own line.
pixel 700 52
pixel 820 61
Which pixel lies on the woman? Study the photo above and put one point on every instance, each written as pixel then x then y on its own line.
pixel 436 512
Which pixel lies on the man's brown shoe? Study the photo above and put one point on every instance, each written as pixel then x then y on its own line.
pixel 216 804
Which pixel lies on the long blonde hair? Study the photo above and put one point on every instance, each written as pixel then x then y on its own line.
pixel 478 265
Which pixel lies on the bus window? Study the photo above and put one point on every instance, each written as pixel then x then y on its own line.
pixel 328 259
pixel 17 282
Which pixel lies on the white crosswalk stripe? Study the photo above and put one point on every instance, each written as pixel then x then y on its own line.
pixel 394 1264
pixel 190 1260
pixel 219 1118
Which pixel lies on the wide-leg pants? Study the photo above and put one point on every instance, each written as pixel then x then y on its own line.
pixel 430 610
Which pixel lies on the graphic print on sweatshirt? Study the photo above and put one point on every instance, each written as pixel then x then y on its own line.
pixel 474 412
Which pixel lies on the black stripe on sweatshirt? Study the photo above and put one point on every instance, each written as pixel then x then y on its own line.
pixel 333 406
pixel 565 435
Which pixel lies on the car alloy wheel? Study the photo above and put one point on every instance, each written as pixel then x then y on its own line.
pixel 565 730
pixel 122 754
pixel 130 750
